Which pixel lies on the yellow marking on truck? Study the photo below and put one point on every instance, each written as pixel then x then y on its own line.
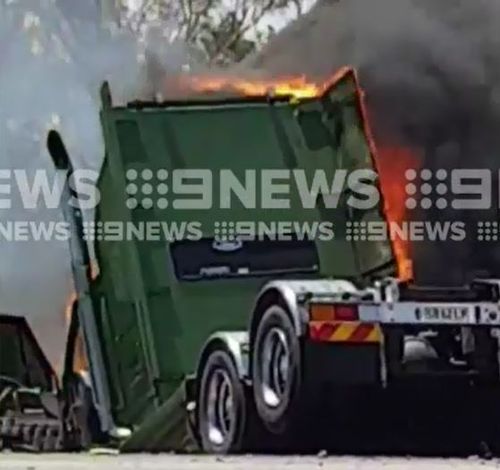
pixel 345 332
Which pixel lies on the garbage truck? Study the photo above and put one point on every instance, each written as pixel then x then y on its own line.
pixel 199 332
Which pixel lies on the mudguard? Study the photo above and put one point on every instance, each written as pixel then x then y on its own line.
pixel 235 342
pixel 295 293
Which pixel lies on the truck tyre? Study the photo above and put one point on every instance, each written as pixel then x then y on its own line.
pixel 277 371
pixel 81 421
pixel 221 406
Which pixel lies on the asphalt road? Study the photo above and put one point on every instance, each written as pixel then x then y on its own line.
pixel 171 462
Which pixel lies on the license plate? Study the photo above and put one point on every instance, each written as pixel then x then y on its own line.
pixel 445 314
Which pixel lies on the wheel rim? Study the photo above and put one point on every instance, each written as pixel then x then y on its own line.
pixel 220 408
pixel 275 363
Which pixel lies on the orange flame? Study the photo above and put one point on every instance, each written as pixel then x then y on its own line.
pixel 298 87
pixel 392 163
pixel 68 310
pixel 80 363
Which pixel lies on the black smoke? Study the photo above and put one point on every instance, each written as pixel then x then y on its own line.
pixel 431 72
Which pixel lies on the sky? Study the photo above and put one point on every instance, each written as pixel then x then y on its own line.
pixel 276 20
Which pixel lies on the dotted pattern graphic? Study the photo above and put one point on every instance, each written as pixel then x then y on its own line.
pixel 356 231
pixel 426 189
pixel 225 231
pixel 147 189
pixel 93 231
pixel 487 231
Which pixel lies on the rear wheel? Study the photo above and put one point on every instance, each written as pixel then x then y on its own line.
pixel 221 406
pixel 82 427
pixel 277 372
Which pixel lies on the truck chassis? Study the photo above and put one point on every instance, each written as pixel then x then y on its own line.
pixel 258 384
pixel 309 341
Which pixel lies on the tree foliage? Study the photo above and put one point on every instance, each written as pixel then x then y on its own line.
pixel 224 31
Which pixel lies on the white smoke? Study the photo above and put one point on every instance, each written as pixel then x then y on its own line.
pixel 52 63
pixel 54 56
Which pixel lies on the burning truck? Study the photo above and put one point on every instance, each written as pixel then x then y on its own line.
pixel 230 343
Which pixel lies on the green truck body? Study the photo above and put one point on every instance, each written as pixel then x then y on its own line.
pixel 196 340
pixel 154 319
